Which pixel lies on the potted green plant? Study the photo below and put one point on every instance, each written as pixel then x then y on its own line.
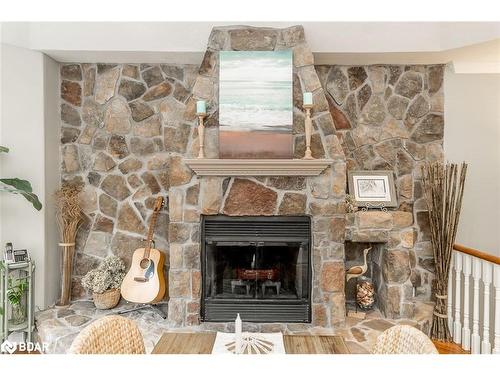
pixel 16 291
pixel 104 282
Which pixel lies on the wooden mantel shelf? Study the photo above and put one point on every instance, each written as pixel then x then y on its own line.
pixel 258 167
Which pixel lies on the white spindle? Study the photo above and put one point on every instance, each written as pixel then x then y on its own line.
pixel 465 328
pixel 450 293
pixel 457 326
pixel 496 281
pixel 485 344
pixel 475 339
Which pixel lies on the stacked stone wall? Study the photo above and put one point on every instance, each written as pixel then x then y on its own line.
pixel 128 128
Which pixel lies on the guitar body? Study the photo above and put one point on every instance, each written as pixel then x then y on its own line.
pixel 144 281
pixel 145 285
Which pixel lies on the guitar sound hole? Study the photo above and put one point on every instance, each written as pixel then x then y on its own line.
pixel 144 263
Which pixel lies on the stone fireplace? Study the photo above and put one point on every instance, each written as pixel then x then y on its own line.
pixel 129 130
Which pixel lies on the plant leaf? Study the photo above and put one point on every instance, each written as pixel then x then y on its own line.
pixel 4 149
pixel 33 199
pixel 24 188
pixel 18 184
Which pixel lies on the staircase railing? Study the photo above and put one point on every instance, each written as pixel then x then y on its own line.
pixel 474 300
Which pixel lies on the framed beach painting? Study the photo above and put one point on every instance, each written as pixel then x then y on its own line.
pixel 255 105
pixel 372 188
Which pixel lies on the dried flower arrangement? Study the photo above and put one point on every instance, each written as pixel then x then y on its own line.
pixel 104 282
pixel 108 275
pixel 69 217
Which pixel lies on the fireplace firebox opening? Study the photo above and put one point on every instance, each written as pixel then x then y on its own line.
pixel 256 266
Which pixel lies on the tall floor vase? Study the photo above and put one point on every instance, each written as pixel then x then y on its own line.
pixel 68 255
pixel 443 189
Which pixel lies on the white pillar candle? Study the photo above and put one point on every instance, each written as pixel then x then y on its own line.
pixel 237 335
pixel 201 106
pixel 307 98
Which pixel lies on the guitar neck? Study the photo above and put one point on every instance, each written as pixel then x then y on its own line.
pixel 152 224
pixel 151 229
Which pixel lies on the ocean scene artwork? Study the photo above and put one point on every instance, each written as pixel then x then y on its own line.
pixel 255 104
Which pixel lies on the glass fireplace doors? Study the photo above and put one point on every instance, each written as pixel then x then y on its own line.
pixel 257 267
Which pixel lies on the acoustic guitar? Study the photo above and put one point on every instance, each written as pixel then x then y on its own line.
pixel 145 282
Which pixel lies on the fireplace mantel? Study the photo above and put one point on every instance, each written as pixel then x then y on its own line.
pixel 258 167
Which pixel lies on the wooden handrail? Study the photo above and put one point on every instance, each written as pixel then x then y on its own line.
pixel 477 253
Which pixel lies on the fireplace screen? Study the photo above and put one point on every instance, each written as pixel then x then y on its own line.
pixel 258 267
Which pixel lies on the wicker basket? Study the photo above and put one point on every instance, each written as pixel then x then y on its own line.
pixel 106 300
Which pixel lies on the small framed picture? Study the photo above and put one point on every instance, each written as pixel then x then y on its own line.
pixel 372 188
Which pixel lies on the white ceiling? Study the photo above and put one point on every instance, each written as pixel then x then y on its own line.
pixel 185 42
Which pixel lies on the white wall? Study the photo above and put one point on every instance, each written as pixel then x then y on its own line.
pixel 34 156
pixel 192 36
pixel 52 127
pixel 348 43
pixel 472 134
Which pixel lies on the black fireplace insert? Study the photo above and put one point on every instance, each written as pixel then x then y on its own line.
pixel 257 266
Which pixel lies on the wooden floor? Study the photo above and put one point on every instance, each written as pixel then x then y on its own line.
pixel 449 348
pixel 202 343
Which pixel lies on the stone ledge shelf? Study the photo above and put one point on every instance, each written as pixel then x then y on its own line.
pixel 258 167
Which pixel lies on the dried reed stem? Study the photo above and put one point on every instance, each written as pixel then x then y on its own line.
pixel 443 189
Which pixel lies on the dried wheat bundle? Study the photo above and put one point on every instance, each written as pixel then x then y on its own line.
pixel 69 218
pixel 443 189
pixel 68 210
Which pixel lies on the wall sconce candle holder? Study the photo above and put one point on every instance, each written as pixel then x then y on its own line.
pixel 308 131
pixel 201 133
